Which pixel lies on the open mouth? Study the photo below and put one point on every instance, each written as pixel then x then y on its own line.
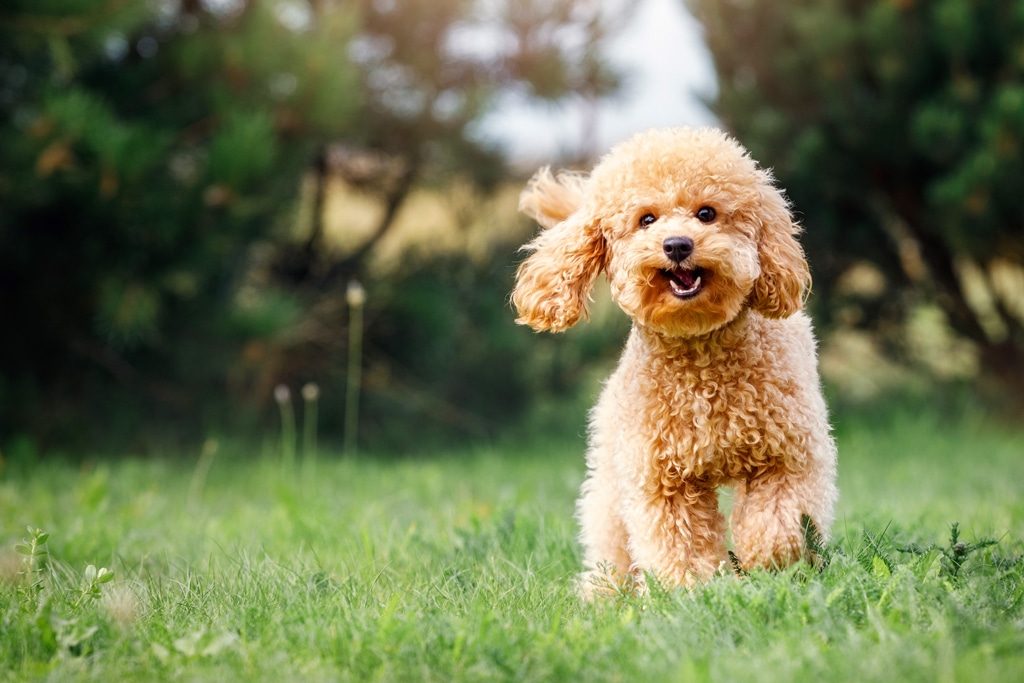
pixel 685 283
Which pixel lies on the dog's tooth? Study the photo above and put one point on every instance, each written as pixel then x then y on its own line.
pixel 681 290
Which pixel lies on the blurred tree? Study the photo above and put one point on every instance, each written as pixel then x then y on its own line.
pixel 429 71
pixel 144 146
pixel 897 128
pixel 151 160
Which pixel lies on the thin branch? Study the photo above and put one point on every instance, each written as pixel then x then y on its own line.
pixel 941 266
pixel 315 241
pixel 393 202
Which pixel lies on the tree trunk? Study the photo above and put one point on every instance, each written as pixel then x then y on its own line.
pixel 353 263
pixel 314 245
pixel 1003 366
pixel 1001 361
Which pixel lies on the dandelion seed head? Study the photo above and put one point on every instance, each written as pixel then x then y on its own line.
pixel 355 294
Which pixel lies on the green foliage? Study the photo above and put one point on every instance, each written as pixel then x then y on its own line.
pixel 440 340
pixel 444 356
pixel 92 580
pixel 144 151
pixel 954 554
pixel 242 150
pixel 50 582
pixel 36 556
pixel 818 553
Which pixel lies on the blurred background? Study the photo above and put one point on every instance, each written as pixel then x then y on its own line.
pixel 191 189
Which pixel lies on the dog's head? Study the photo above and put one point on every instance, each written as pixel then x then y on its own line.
pixel 687 228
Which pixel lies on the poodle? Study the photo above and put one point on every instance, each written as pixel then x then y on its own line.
pixel 718 382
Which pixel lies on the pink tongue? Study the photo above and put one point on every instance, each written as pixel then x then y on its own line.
pixel 685 278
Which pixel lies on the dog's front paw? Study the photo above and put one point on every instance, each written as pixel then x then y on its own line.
pixel 770 544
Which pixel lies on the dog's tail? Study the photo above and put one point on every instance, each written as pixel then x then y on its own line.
pixel 549 199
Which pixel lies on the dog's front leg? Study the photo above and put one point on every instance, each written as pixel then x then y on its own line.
pixel 602 534
pixel 677 535
pixel 767 515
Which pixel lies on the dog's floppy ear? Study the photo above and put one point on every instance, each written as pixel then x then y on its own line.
pixel 548 199
pixel 554 282
pixel 785 277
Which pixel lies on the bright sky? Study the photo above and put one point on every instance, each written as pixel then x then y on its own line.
pixel 667 69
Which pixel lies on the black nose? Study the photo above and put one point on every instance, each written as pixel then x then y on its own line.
pixel 678 248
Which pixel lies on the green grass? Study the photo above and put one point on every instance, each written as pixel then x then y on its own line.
pixel 459 567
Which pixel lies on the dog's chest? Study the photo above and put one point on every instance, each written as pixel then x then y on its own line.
pixel 717 418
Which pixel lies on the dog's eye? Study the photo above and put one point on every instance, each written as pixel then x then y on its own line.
pixel 647 219
pixel 706 214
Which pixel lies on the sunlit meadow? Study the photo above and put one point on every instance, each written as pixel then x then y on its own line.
pixel 234 565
